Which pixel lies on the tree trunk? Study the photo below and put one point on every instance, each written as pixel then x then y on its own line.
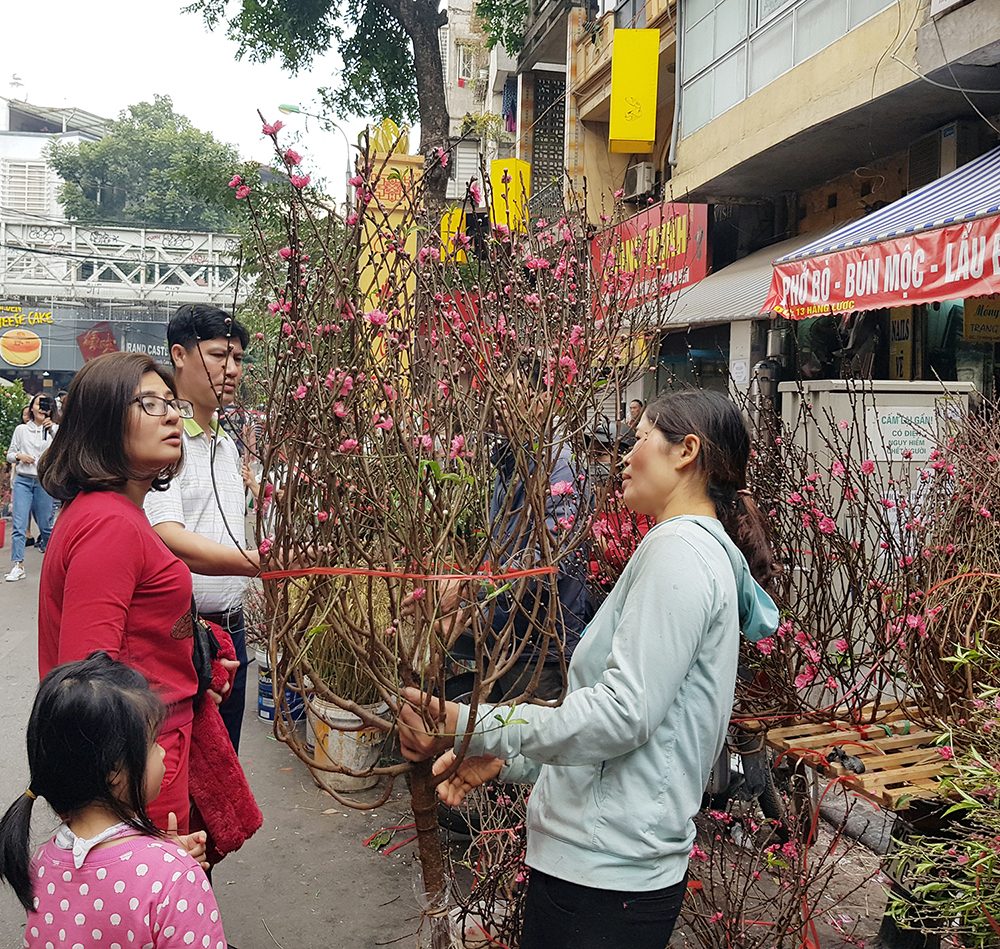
pixel 423 796
pixel 421 20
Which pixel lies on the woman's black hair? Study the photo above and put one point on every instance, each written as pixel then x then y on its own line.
pixel 88 452
pixel 88 742
pixel 724 455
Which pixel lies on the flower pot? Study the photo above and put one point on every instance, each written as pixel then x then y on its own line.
pixel 356 750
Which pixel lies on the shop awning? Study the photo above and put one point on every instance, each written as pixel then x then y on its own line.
pixel 736 292
pixel 942 242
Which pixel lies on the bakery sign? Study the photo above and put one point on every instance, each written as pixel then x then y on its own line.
pixel 13 315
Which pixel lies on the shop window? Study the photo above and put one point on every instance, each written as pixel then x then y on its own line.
pixel 696 359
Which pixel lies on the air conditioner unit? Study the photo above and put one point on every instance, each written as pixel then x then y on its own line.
pixel 640 180
pixel 944 150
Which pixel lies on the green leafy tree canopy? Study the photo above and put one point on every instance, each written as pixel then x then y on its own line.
pixel 153 168
pixel 390 50
pixel 13 399
pixel 504 22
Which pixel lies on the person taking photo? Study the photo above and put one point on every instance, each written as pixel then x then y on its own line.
pixel 30 441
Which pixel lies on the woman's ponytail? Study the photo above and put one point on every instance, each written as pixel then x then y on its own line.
pixel 746 526
pixel 15 859
pixel 724 455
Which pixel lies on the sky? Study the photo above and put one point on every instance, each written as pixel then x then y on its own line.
pixel 105 55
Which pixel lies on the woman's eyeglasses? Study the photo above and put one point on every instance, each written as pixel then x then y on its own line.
pixel 157 407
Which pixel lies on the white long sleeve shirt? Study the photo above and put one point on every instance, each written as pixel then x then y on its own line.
pixel 29 439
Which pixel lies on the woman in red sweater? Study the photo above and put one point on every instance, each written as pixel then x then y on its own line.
pixel 108 581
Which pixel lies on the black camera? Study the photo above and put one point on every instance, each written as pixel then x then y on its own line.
pixel 45 404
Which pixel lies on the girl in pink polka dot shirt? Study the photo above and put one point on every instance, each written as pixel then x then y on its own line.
pixel 108 878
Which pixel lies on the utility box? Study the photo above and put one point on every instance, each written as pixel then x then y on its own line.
pixel 886 421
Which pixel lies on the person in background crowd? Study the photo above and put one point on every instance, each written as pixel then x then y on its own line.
pixel 29 540
pixel 201 514
pixel 635 409
pixel 620 767
pixel 29 442
pixel 108 581
pixel 627 427
pixel 511 537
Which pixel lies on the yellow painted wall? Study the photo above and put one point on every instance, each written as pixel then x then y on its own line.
pixel 401 176
pixel 835 80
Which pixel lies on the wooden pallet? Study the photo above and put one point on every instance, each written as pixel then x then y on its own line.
pixel 897 769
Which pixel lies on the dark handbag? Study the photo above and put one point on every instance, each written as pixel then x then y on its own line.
pixel 206 648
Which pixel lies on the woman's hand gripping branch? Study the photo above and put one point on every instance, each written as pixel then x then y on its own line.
pixel 419 744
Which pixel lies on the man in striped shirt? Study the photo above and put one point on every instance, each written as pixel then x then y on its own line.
pixel 201 515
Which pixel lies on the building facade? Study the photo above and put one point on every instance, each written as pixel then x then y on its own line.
pixel 787 119
pixel 70 292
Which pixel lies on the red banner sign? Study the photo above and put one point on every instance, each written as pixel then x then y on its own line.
pixel 653 253
pixel 948 263
pixel 97 341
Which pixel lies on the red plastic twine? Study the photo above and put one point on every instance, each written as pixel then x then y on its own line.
pixel 356 572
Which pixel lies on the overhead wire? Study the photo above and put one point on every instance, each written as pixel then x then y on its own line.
pixel 951 72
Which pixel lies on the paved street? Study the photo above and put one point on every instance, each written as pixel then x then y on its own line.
pixel 304 876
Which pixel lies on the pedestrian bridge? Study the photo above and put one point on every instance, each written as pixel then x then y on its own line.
pixel 97 262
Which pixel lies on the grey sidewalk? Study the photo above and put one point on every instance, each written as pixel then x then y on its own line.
pixel 305 875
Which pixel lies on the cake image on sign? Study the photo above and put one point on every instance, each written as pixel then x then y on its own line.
pixel 20 347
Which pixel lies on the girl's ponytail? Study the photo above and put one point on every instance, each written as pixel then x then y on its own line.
pixel 15 859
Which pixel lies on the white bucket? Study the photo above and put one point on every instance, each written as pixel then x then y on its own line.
pixel 357 750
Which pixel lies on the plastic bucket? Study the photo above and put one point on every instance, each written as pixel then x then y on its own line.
pixel 356 750
pixel 265 692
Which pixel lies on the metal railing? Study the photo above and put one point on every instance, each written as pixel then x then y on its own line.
pixel 117 263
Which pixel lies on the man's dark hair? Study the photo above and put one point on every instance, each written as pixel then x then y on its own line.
pixel 195 322
pixel 88 452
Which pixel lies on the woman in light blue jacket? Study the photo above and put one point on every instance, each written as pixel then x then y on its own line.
pixel 620 767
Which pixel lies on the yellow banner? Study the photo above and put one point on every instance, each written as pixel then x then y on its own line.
pixel 634 68
pixel 510 184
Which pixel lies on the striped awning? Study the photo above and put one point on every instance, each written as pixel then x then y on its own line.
pixel 967 193
pixel 942 242
pixel 735 292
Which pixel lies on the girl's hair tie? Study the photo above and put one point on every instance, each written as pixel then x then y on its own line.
pixel 31 794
